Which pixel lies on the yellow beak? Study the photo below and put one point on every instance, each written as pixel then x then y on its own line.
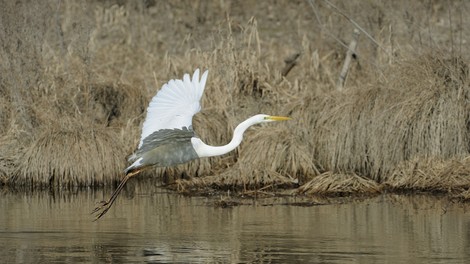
pixel 278 118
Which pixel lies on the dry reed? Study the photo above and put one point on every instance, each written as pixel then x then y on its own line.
pixel 371 130
pixel 463 196
pixel 431 175
pixel 8 160
pixel 72 156
pixel 330 184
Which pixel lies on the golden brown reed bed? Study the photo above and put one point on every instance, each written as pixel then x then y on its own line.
pixel 431 175
pixel 72 156
pixel 337 184
pixel 73 113
pixel 419 111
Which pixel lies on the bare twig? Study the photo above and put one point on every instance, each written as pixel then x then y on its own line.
pixel 291 61
pixel 350 54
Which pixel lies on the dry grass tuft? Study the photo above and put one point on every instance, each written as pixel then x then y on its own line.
pixel 420 110
pixel 275 147
pixel 463 196
pixel 340 184
pixel 431 175
pixel 9 149
pixel 72 156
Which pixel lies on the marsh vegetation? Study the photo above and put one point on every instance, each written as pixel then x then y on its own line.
pixel 76 78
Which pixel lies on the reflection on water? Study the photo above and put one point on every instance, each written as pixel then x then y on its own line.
pixel 156 226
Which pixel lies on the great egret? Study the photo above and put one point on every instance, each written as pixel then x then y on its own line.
pixel 167 136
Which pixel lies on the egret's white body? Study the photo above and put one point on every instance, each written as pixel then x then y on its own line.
pixel 167 136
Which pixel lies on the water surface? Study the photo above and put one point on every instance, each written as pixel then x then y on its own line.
pixel 151 225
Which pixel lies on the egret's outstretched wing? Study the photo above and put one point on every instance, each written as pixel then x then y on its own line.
pixel 174 105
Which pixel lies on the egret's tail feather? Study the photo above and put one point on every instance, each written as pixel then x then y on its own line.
pixel 136 166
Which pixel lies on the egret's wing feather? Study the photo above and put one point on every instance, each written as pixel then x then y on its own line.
pixel 174 105
pixel 163 137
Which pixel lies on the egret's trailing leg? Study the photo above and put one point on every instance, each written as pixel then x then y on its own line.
pixel 104 206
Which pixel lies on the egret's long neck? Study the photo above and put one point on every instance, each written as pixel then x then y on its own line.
pixel 204 150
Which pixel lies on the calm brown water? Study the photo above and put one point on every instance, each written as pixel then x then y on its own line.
pixel 155 226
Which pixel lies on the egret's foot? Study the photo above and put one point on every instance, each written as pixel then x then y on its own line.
pixel 101 209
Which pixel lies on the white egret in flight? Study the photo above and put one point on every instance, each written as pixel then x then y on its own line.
pixel 167 135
